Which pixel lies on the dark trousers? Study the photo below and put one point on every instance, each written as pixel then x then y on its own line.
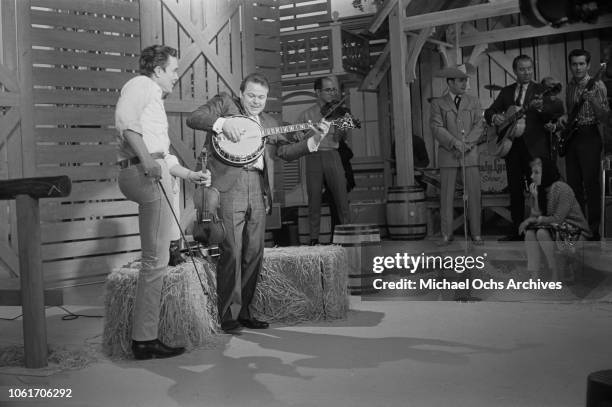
pixel 244 217
pixel 583 172
pixel 518 173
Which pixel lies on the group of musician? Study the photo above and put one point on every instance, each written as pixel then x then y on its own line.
pixel 149 170
pixel 148 177
pixel 531 128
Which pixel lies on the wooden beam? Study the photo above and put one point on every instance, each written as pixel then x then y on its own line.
pixel 26 111
pixel 382 14
pixel 32 286
pixel 432 40
pixel 503 60
pixel 402 120
pixel 373 78
pixel 8 122
pixel 193 51
pixel 182 18
pixel 10 259
pixel 414 50
pixel 8 79
pixel 499 8
pixel 527 31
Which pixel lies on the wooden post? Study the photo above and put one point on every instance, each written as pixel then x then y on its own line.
pixel 336 46
pixel 32 286
pixel 402 121
pixel 26 192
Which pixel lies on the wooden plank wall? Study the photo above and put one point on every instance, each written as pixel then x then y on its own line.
pixel 11 150
pixel 81 55
pixel 302 14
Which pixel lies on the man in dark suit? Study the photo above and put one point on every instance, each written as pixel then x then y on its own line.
pixel 535 141
pixel 245 195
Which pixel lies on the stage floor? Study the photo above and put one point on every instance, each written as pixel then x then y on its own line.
pixel 387 353
pixel 518 351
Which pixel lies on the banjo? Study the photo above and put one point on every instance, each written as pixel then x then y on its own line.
pixel 253 141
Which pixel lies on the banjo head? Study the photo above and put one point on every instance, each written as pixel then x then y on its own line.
pixel 245 151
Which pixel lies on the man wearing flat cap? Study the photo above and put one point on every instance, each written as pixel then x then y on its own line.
pixel 456 122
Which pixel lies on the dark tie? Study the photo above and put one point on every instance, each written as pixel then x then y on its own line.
pixel 457 101
pixel 520 96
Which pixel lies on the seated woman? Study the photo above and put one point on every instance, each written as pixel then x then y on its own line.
pixel 555 214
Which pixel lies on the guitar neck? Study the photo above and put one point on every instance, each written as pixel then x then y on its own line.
pixel 285 129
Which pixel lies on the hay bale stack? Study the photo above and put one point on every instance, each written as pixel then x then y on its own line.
pixel 188 314
pixel 302 284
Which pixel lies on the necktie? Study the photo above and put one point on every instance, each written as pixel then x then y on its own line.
pixel 520 96
pixel 457 101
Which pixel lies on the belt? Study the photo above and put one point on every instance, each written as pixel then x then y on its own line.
pixel 129 162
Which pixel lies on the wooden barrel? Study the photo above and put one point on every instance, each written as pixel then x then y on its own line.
pixel 361 241
pixel 599 389
pixel 304 225
pixel 406 213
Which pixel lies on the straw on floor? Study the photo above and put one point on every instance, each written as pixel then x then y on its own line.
pixel 188 314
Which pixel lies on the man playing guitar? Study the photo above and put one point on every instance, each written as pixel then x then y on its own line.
pixel 584 143
pixel 534 140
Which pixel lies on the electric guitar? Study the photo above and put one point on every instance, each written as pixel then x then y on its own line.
pixel 566 134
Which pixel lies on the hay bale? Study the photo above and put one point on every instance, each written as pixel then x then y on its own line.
pixel 302 284
pixel 188 309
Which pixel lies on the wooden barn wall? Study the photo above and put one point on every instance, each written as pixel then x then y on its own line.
pixel 62 68
pixel 17 147
pixel 494 67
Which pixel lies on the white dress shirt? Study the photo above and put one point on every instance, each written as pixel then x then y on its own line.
pixel 140 108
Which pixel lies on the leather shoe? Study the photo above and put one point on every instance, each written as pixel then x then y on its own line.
pixel 230 326
pixel 253 323
pixel 510 238
pixel 446 240
pixel 154 349
pixel 477 241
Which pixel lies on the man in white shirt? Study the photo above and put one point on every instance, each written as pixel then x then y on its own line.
pixel 245 192
pixel 146 168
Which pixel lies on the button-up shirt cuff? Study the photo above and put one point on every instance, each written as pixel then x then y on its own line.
pixel 312 145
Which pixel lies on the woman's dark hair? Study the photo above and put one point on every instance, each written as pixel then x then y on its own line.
pixel 154 56
pixel 550 174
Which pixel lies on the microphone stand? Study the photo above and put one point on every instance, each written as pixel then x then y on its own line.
pixel 465 193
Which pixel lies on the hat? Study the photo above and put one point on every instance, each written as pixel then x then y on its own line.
pixel 452 72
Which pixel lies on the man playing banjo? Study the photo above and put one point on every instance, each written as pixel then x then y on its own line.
pixel 242 170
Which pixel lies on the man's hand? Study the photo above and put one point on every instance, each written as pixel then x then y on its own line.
pixel 232 130
pixel 320 131
pixel 562 121
pixel 200 178
pixel 151 168
pixel 497 119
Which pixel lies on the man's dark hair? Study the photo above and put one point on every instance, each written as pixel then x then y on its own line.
pixel 254 78
pixel 154 56
pixel 521 57
pixel 579 53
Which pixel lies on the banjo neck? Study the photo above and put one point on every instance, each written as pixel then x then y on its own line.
pixel 271 131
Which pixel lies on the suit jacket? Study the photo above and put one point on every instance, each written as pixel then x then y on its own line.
pixel 535 136
pixel 447 124
pixel 224 176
